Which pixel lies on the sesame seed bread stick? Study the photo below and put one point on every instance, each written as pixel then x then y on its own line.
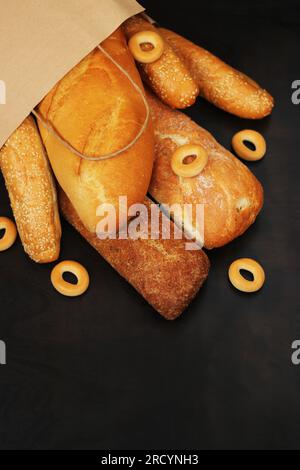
pixel 32 192
pixel 168 77
pixel 219 83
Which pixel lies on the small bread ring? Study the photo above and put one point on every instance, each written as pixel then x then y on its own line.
pixel 146 37
pixel 10 233
pixel 242 284
pixel 254 138
pixel 192 168
pixel 66 288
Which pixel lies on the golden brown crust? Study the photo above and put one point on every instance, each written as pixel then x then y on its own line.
pixel 149 265
pixel 220 83
pixel 32 192
pixel 167 76
pixel 98 111
pixel 231 194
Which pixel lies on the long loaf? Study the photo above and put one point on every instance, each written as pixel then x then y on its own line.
pixel 166 274
pixel 97 110
pixel 169 78
pixel 32 192
pixel 219 83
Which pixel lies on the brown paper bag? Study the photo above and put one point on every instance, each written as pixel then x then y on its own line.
pixel 41 40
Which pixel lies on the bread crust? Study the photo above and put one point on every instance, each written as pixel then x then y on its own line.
pixel 219 83
pixel 97 110
pixel 32 192
pixel 149 265
pixel 231 194
pixel 168 77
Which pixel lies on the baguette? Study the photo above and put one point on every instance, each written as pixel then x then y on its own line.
pixel 231 194
pixel 168 76
pixel 98 111
pixel 149 265
pixel 219 83
pixel 32 192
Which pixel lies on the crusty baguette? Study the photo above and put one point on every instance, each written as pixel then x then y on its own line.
pixel 167 76
pixel 231 194
pixel 32 192
pixel 219 83
pixel 166 274
pixel 97 109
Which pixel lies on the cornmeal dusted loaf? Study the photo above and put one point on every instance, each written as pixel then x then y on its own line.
pixel 220 83
pixel 98 111
pixel 166 274
pixel 231 194
pixel 32 192
pixel 167 76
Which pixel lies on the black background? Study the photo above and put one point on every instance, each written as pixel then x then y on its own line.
pixel 105 371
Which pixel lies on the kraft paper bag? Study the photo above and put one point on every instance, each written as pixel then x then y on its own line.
pixel 41 40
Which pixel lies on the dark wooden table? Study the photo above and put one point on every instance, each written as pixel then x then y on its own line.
pixel 104 370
